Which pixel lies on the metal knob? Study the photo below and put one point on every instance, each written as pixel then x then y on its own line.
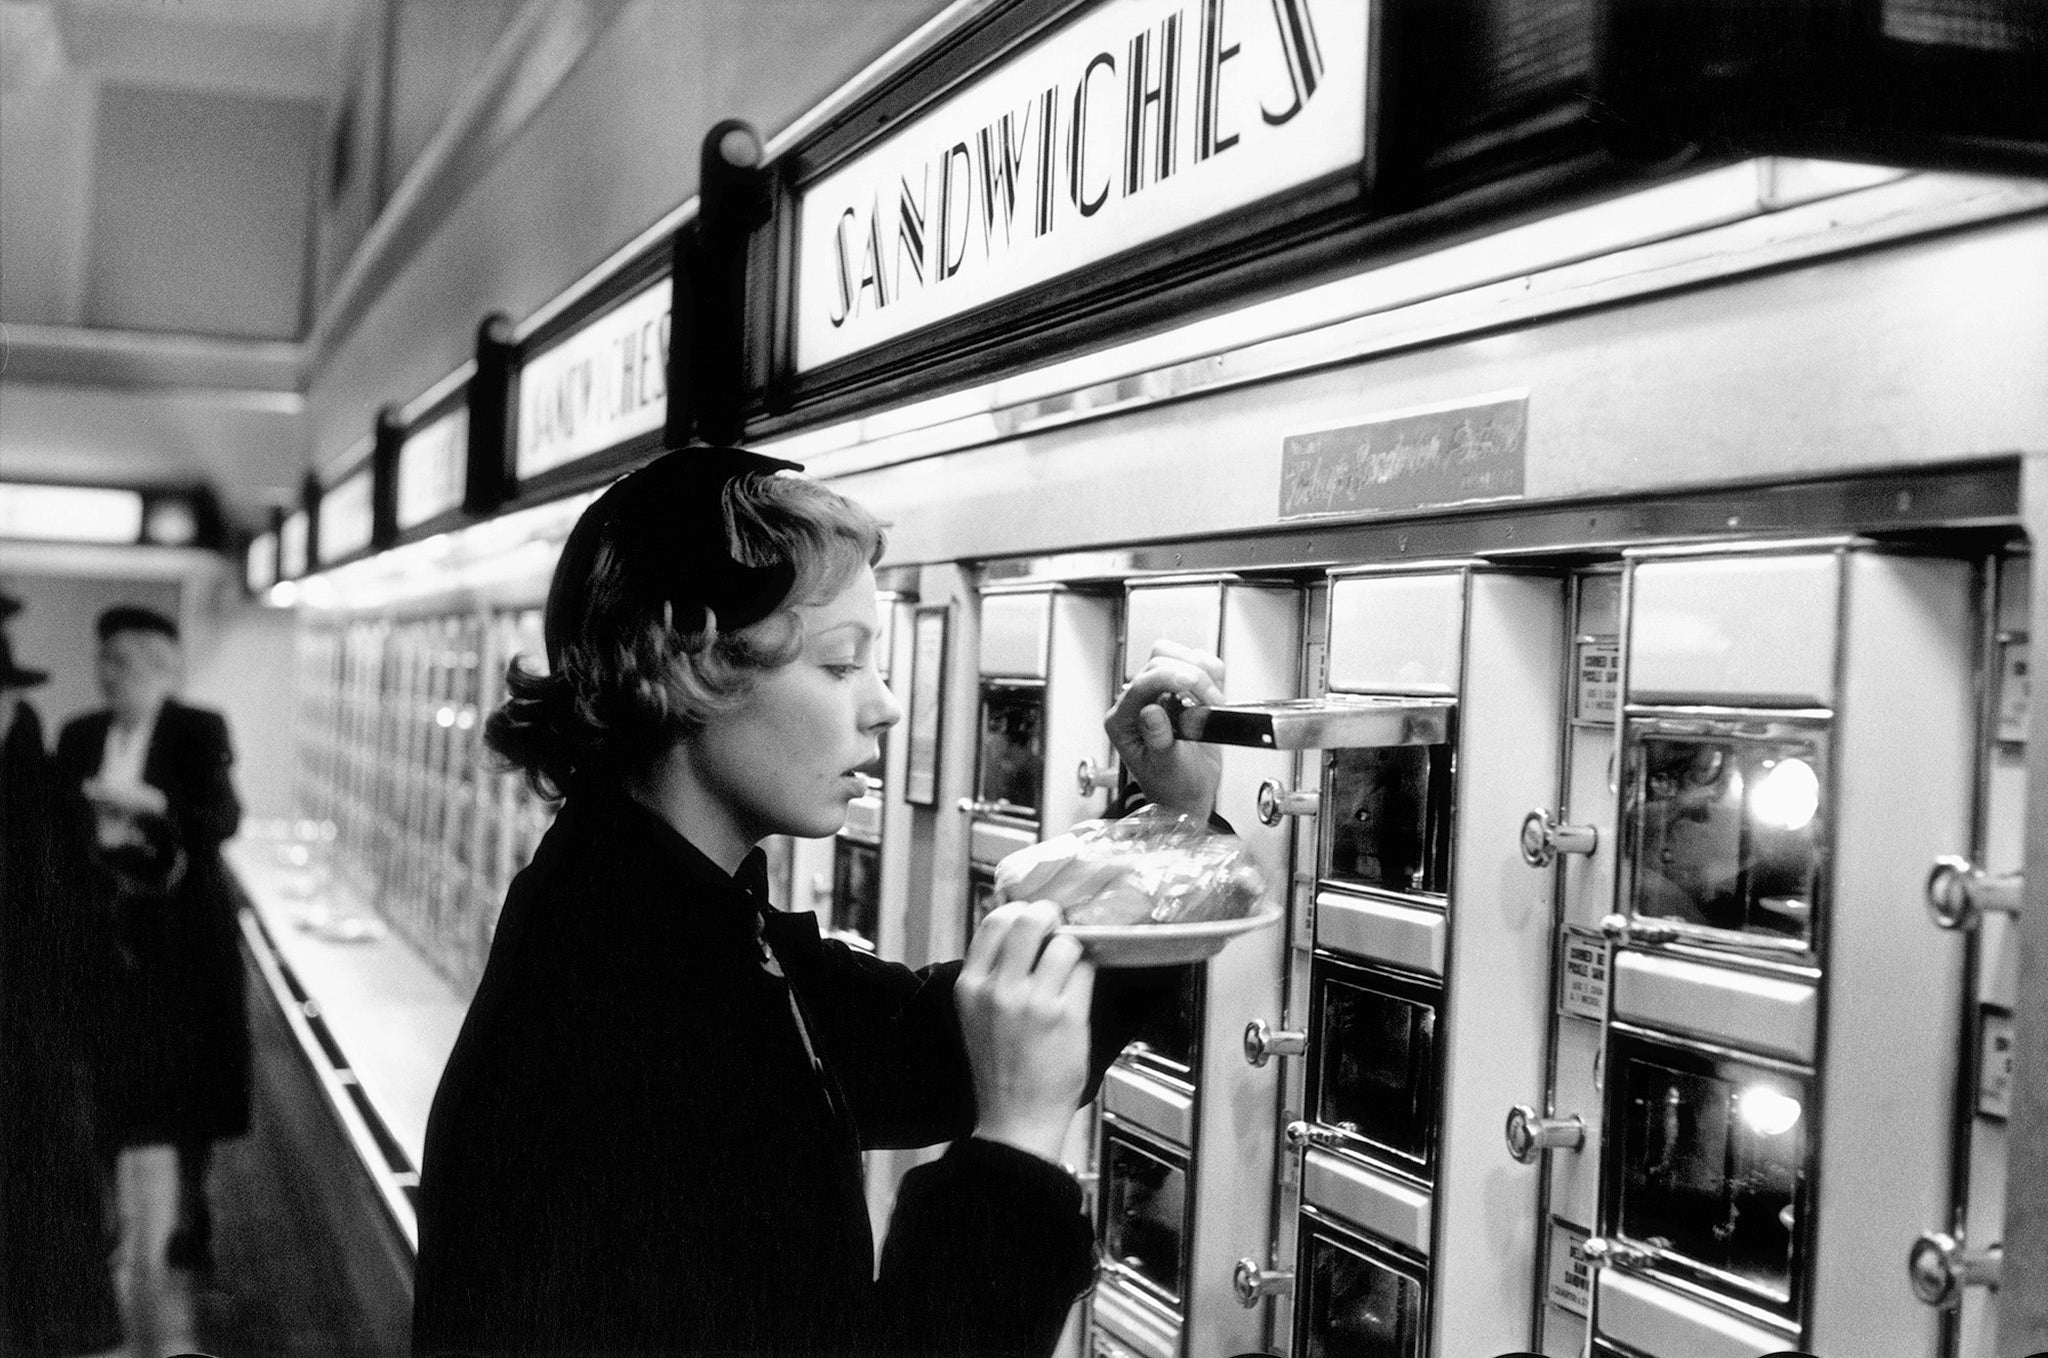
pixel 1262 1044
pixel 1530 1134
pixel 1091 777
pixel 1302 1134
pixel 1277 801
pixel 1647 933
pixel 1252 1283
pixel 1600 1250
pixel 1941 1268
pixel 1543 839
pixel 1960 894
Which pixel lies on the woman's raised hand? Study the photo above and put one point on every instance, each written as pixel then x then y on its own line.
pixel 1177 774
pixel 1023 1005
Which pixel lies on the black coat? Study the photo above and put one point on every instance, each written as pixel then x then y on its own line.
pixel 56 1293
pixel 175 1062
pixel 632 1152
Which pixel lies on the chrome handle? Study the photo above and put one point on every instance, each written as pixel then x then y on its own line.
pixel 1530 1134
pixel 1091 777
pixel 1960 894
pixel 1302 1134
pixel 1647 933
pixel 977 806
pixel 1262 1044
pixel 1252 1283
pixel 1277 802
pixel 1941 1268
pixel 1601 1251
pixel 1083 1177
pixel 1543 839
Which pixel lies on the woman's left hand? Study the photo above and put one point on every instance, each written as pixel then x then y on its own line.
pixel 1024 1007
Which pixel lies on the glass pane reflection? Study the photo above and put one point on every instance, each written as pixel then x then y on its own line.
pixel 1375 1069
pixel 1388 817
pixel 1726 832
pixel 1012 763
pixel 1358 1307
pixel 856 888
pixel 1144 1213
pixel 1165 1039
pixel 1712 1156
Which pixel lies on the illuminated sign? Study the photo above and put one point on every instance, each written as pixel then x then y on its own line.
pixel 259 568
pixel 345 517
pixel 70 513
pixel 1139 119
pixel 599 387
pixel 291 546
pixel 431 467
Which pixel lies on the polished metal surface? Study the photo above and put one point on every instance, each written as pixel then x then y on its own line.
pixel 1529 1134
pixel 1277 802
pixel 1091 777
pixel 1940 1267
pixel 1333 723
pixel 1544 838
pixel 1641 933
pixel 1263 1043
pixel 1302 1134
pixel 1960 894
pixel 1253 1283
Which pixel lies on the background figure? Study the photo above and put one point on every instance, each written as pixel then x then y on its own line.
pixel 56 1294
pixel 146 781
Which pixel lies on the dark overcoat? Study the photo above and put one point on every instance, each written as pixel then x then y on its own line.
pixel 639 1147
pixel 56 1292
pixel 176 1043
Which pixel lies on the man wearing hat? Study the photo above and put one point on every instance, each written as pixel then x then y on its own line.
pixel 58 1296
pixel 146 780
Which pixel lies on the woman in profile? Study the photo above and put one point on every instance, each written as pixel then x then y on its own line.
pixel 648 1137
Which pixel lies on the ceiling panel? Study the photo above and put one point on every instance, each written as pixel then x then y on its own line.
pixel 200 212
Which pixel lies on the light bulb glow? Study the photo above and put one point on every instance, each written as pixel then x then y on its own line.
pixel 1786 796
pixel 1766 1111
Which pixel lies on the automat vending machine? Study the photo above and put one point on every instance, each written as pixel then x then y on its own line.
pixel 1954 1266
pixel 1778 1060
pixel 1421 966
pixel 1183 1112
pixel 1047 656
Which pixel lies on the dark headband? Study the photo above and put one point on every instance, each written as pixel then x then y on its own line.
pixel 668 521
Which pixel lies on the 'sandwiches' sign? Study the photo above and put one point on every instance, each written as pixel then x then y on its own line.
pixel 604 384
pixel 1136 120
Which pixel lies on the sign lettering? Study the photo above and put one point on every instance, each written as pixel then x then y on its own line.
pixel 2015 689
pixel 1599 685
pixel 1994 1064
pixel 597 388
pixel 1406 461
pixel 432 465
pixel 1137 120
pixel 1584 992
pixel 1571 1273
pixel 345 517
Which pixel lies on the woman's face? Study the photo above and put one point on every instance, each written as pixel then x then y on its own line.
pixel 786 761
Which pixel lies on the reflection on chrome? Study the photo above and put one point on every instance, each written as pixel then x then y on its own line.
pixel 1786 796
pixel 1767 1112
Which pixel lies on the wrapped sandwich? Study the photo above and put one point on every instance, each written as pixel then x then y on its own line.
pixel 1153 867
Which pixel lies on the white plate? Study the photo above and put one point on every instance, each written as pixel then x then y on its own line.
pixel 1162 945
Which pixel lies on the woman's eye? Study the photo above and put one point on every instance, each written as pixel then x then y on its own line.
pixel 843 671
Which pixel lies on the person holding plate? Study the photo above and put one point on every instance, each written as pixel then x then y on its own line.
pixel 648 1137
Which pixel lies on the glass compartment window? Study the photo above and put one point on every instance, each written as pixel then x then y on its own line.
pixel 1144 1213
pixel 1165 1041
pixel 1375 1064
pixel 1012 760
pixel 1388 817
pixel 1357 1303
pixel 1713 1156
pixel 857 889
pixel 1725 831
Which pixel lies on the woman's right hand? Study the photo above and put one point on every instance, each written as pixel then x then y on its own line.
pixel 1024 1006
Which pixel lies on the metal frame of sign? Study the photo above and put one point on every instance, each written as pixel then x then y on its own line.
pixel 454 515
pixel 1265 245
pixel 595 468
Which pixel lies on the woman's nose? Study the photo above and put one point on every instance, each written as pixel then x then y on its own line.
pixel 883 711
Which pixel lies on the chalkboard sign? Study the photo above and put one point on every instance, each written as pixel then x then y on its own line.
pixel 1407 461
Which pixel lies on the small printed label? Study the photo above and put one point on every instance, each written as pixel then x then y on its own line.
pixel 1584 993
pixel 2015 689
pixel 1599 680
pixel 1571 1276
pixel 1994 1064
